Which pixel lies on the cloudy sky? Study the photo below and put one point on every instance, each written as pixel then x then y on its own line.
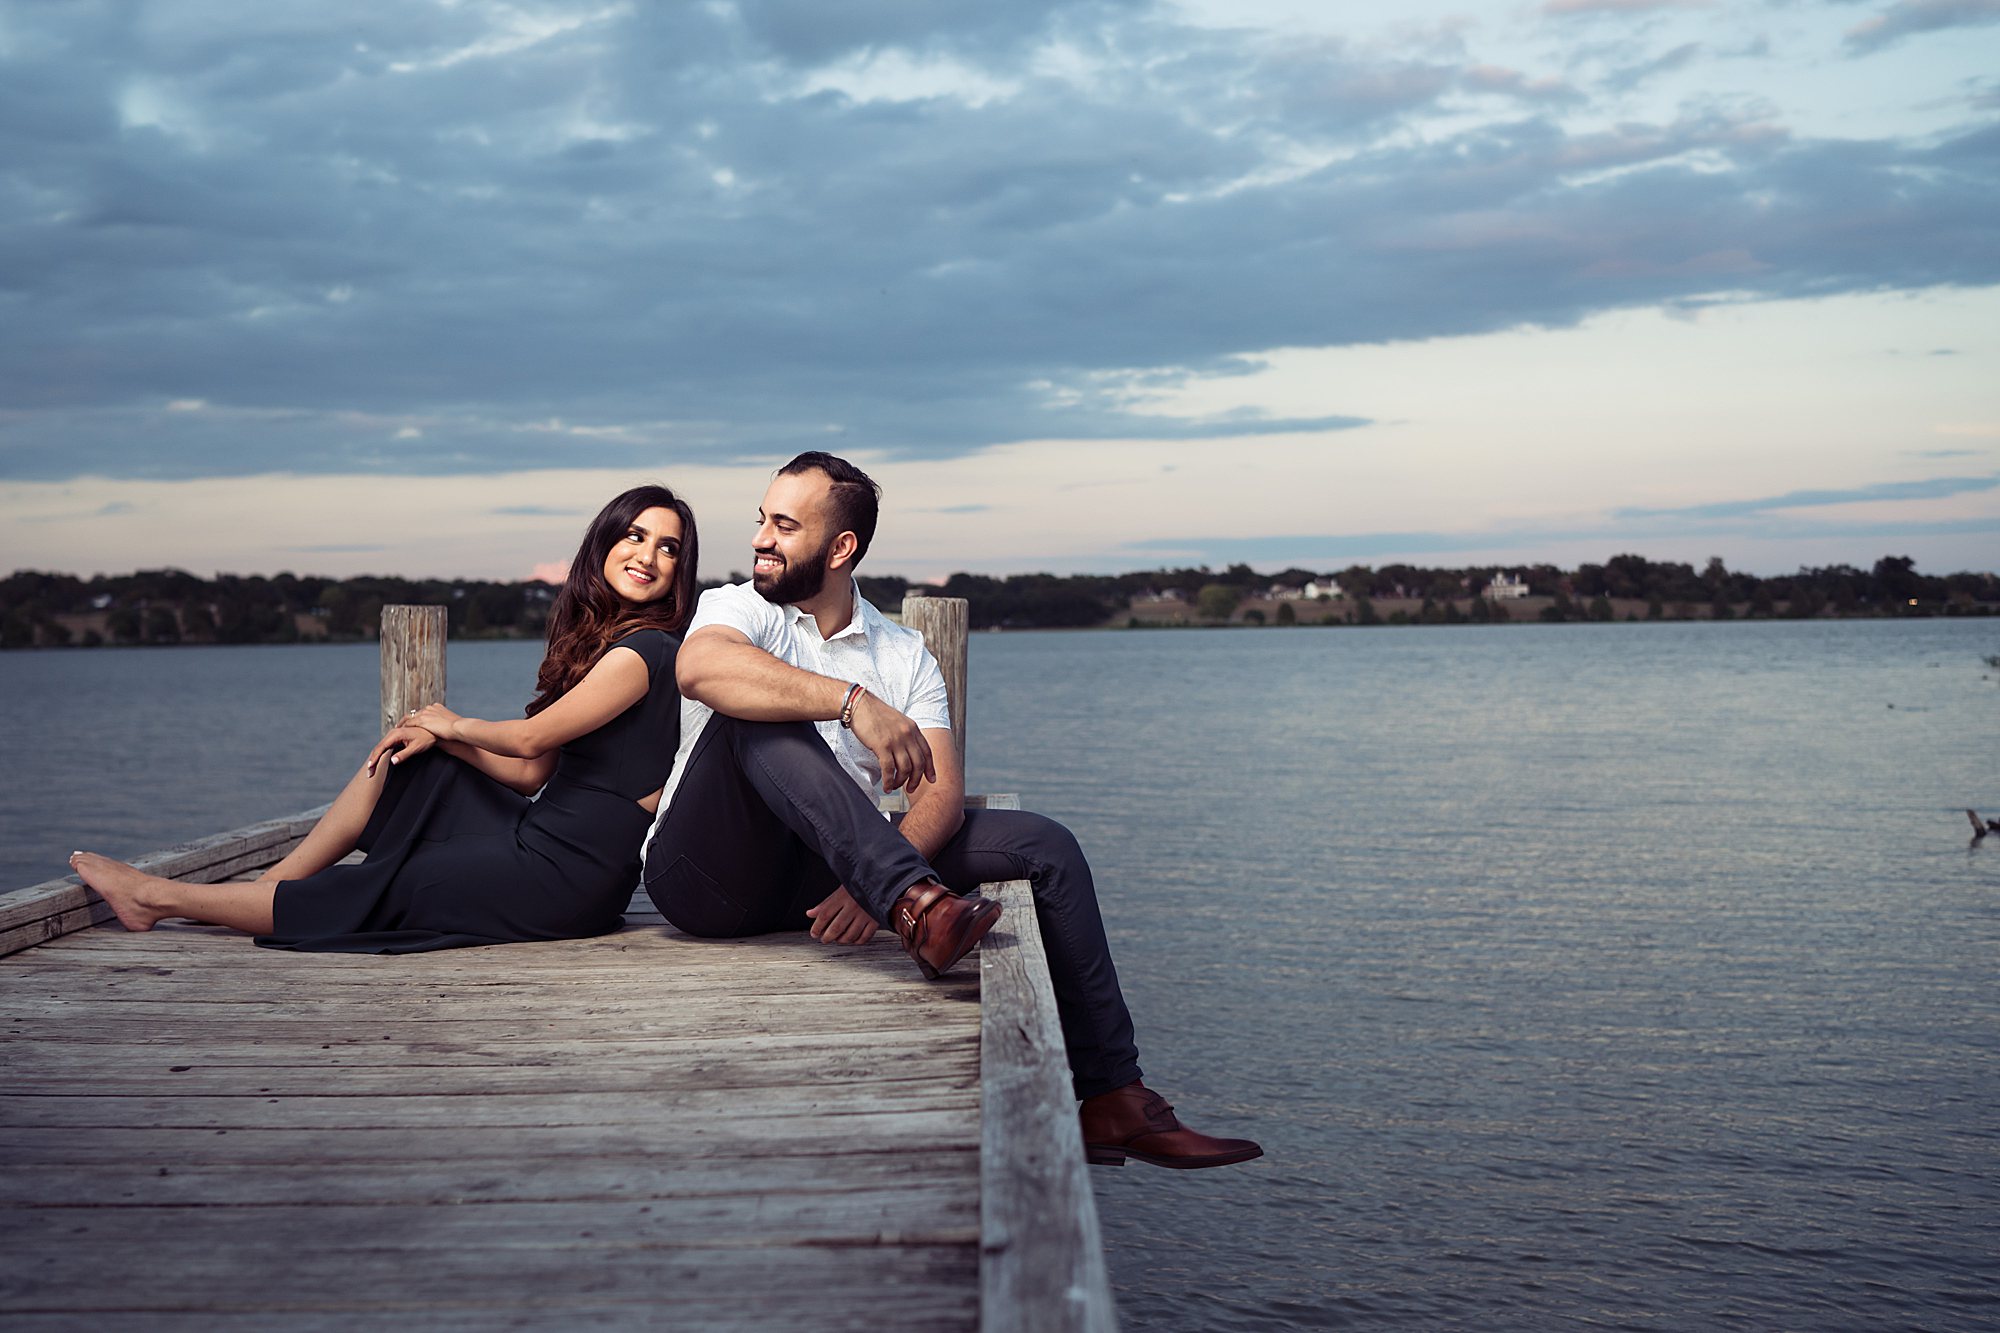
pixel 413 287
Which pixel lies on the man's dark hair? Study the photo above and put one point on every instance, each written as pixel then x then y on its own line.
pixel 855 497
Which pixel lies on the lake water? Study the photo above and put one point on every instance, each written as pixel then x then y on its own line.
pixel 1595 976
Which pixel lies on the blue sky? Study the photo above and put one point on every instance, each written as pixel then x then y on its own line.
pixel 413 287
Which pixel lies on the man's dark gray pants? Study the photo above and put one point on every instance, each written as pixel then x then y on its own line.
pixel 765 823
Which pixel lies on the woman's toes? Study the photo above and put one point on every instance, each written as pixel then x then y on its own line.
pixel 121 886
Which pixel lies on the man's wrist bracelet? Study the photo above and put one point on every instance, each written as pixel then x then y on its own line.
pixel 847 705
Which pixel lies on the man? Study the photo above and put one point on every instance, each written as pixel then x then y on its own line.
pixel 800 700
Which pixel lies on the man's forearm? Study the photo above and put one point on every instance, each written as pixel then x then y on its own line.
pixel 742 680
pixel 931 823
pixel 937 808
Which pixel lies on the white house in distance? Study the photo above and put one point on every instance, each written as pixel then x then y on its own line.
pixel 1506 586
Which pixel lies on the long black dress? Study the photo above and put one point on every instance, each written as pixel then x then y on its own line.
pixel 456 858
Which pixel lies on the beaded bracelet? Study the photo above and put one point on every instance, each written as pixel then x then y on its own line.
pixel 847 706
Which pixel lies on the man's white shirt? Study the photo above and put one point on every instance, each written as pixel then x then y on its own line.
pixel 887 659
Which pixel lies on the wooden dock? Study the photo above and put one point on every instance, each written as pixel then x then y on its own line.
pixel 635 1131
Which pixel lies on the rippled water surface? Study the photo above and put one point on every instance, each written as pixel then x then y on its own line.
pixel 1572 976
pixel 1621 976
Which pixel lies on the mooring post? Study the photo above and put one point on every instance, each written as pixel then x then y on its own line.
pixel 412 660
pixel 943 622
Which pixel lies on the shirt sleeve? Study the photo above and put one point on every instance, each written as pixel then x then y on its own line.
pixel 651 644
pixel 930 703
pixel 736 606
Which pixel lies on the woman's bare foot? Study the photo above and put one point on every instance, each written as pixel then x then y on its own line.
pixel 132 893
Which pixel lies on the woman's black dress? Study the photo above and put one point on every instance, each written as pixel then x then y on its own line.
pixel 456 858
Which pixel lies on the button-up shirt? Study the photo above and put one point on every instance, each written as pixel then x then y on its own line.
pixel 888 660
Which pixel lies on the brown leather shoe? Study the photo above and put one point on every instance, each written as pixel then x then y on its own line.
pixel 938 927
pixel 1135 1121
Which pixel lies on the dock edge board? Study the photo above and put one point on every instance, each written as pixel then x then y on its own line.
pixel 1041 1255
pixel 55 908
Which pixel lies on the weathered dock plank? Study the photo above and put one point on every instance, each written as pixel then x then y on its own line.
pixel 270 1141
pixel 421 1173
pixel 539 1283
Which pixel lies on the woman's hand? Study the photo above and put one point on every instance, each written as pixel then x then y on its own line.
pixel 436 719
pixel 404 741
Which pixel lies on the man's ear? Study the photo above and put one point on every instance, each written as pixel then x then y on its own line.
pixel 840 555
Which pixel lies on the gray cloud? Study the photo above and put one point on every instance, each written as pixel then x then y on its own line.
pixel 1906 18
pixel 111 510
pixel 1562 8
pixel 1628 77
pixel 377 239
pixel 810 32
pixel 1934 488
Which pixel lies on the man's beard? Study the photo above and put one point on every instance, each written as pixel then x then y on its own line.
pixel 796 582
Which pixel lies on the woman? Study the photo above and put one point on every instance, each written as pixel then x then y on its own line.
pixel 457 852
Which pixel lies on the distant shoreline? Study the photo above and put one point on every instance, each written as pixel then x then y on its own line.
pixel 169 606
pixel 1342 613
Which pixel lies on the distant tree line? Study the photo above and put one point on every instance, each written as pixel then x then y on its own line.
pixel 163 606
pixel 1674 590
pixel 159 606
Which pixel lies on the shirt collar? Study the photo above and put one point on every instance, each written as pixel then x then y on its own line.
pixel 857 624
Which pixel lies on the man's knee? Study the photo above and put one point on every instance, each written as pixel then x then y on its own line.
pixel 1041 840
pixel 764 751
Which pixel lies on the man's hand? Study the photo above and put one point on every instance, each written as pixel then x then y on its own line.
pixel 840 920
pixel 897 743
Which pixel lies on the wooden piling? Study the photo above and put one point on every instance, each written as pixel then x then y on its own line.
pixel 412 660
pixel 944 622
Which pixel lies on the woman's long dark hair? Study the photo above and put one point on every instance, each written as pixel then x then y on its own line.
pixel 589 617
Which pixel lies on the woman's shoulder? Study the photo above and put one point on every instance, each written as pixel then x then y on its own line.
pixel 655 645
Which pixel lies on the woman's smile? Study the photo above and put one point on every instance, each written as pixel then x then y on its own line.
pixel 640 566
